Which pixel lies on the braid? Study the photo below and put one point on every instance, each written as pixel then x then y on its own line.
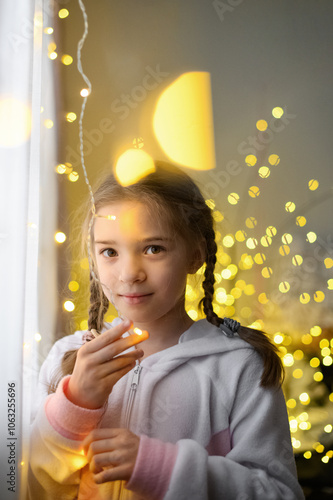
pixel 273 372
pixel 98 305
pixel 208 283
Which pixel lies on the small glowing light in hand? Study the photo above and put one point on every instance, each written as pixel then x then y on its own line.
pixel 137 331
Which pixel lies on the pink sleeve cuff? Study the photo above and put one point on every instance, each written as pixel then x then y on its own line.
pixel 69 420
pixel 153 468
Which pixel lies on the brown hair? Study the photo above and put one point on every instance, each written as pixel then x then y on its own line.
pixel 175 196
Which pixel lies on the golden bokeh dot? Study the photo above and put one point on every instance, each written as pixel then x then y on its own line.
pixel 69 305
pixel 284 287
pixel 266 241
pixel 298 354
pixel 288 359
pixel 254 191
pixel 298 373
pixel 278 338
pixel 61 168
pixel 259 258
pixel 306 339
pixel 264 172
pixel 63 13
pixel 60 237
pixel 328 263
pixel 228 241
pixel 262 298
pixel 284 250
pixel 315 331
pixel 291 403
pixel 73 176
pixel 290 206
pixel 297 260
pixel 313 184
pixel 271 231
pixel 210 203
pixel 217 216
pixel 277 112
pixel 304 398
pixel 311 237
pixel 304 298
pixel 314 362
pixel 249 289
pixel 300 221
pixel 319 296
pixel 251 222
pixel 52 55
pixel 262 125
pixel 330 284
pixel 318 376
pixel 286 238
pixel 66 59
pixel 48 123
pixel 233 198
pixel 274 159
pixel 71 117
pixel 267 272
pixel 250 160
pixel 73 286
pixel 84 264
pixel 251 243
pixel 240 235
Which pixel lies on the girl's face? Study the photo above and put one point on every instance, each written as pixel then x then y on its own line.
pixel 141 264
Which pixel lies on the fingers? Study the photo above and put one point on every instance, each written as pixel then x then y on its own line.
pixel 109 336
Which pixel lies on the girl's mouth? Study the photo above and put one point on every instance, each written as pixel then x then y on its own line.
pixel 135 298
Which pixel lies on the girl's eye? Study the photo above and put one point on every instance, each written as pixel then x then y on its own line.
pixel 109 252
pixel 154 249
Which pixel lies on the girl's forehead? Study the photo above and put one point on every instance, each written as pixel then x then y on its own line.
pixel 129 216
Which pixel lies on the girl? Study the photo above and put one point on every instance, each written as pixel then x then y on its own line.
pixel 177 409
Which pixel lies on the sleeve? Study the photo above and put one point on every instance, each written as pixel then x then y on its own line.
pixel 58 428
pixel 259 466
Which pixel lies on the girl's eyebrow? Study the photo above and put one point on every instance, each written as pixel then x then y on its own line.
pixel 145 240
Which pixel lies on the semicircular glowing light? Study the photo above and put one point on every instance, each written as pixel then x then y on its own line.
pixel 133 165
pixel 15 122
pixel 183 121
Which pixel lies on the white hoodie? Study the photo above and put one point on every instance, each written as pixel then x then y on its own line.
pixel 207 429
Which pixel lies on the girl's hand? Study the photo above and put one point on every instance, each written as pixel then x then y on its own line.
pixel 111 453
pixel 97 369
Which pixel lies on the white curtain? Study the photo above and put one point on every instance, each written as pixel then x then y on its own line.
pixel 27 210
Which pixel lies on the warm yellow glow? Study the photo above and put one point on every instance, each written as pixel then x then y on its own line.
pixel 297 260
pixel 311 237
pixel 330 284
pixel 210 203
pixel 193 314
pixel 314 362
pixel 267 272
pixel 48 31
pixel 69 305
pixel 264 172
pixel 313 184
pixel 277 112
pixel 73 176
pixel 84 324
pixel 51 47
pixel 73 286
pixel 319 296
pixel 240 235
pixel 60 237
pixel 324 343
pixel 48 123
pixel 217 216
pixel 274 160
pixel 291 403
pixel 228 241
pixel 233 198
pixel 300 221
pixel 71 117
pixel 251 160
pixel 278 338
pixel 327 361
pixel 298 373
pixel 183 121
pixel 271 231
pixel 262 298
pixel 304 398
pixel 15 122
pixel 325 459
pixel 266 241
pixel 61 168
pixel 66 59
pixel 251 222
pixel 304 298
pixel 318 377
pixel 254 191
pixel 63 13
pixel 84 92
pixel 284 287
pixel 290 206
pixel 328 428
pixel 315 331
pixel 251 243
pixel 53 55
pixel 288 360
pixel 132 166
pixel 37 337
pixel 328 262
pixel 261 125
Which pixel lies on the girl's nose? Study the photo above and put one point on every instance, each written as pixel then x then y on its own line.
pixel 131 270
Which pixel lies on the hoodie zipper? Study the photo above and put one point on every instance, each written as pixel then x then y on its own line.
pixel 133 389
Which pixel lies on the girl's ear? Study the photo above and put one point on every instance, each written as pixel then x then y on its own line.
pixel 198 257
